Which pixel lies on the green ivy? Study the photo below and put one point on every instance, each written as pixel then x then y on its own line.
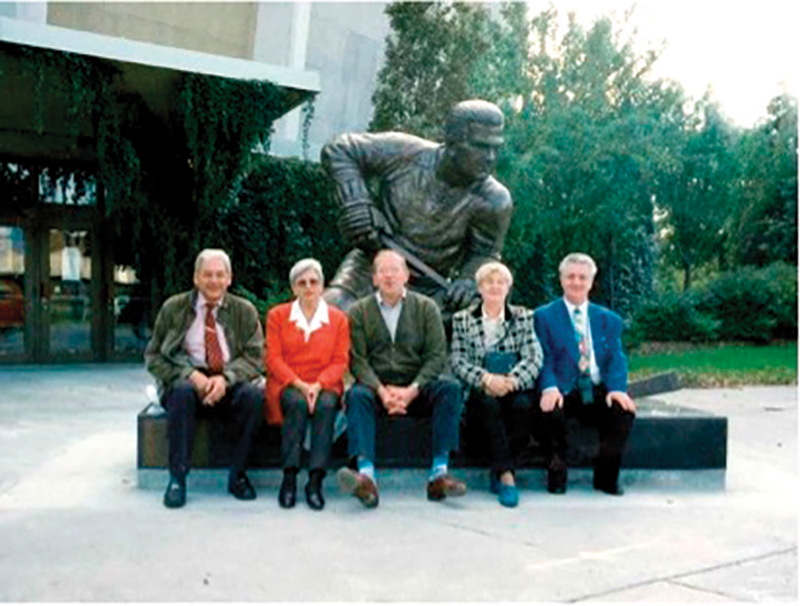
pixel 171 188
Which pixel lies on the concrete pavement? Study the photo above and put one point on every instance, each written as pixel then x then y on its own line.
pixel 74 525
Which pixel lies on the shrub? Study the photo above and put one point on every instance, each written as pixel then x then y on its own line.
pixel 672 317
pixel 746 303
pixel 284 212
pixel 783 279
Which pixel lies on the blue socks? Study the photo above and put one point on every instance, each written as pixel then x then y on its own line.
pixel 439 467
pixel 366 467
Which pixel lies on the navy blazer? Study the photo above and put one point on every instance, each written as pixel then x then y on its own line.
pixel 560 347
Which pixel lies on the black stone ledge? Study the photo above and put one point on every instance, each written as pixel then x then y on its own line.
pixel 665 438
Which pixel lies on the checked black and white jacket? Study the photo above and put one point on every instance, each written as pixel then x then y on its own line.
pixel 467 350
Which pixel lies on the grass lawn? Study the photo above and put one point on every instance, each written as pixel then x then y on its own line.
pixel 718 365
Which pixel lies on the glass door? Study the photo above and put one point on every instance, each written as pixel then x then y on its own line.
pixel 68 301
pixel 13 305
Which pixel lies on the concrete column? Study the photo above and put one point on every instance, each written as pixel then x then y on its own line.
pixel 35 12
pixel 292 53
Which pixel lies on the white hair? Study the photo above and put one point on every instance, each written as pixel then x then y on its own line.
pixel 211 253
pixel 304 265
pixel 579 259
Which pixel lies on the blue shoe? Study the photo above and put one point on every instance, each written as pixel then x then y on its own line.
pixel 494 482
pixel 508 495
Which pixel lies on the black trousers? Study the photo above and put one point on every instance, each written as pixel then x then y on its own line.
pixel 506 423
pixel 613 426
pixel 293 432
pixel 242 405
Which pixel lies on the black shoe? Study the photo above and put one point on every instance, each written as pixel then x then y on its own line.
pixel 241 488
pixel 314 489
pixel 287 496
pixel 606 480
pixel 314 497
pixel 175 496
pixel 556 477
pixel 612 489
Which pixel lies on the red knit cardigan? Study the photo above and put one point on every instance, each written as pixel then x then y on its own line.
pixel 287 356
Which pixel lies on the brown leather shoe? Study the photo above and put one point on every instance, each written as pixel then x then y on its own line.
pixel 359 485
pixel 445 486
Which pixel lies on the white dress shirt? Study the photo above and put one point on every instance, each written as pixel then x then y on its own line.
pixel 195 343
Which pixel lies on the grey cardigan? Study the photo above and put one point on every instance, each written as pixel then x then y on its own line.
pixel 417 355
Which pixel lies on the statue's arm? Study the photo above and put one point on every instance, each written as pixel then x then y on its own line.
pixel 352 159
pixel 487 229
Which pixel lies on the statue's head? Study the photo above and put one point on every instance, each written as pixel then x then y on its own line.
pixel 473 134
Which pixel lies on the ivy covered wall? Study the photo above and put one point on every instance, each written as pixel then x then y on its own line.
pixel 178 182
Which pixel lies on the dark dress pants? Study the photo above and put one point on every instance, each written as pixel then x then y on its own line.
pixel 506 422
pixel 613 426
pixel 440 399
pixel 295 420
pixel 242 405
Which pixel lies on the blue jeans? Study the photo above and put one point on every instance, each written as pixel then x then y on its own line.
pixel 441 399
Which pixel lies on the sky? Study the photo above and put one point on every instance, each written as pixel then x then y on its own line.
pixel 747 51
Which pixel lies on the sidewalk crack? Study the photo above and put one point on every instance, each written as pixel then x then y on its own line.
pixel 675 578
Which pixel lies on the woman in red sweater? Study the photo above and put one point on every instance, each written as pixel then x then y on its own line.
pixel 307 351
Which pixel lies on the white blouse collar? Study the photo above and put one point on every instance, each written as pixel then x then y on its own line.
pixel 319 318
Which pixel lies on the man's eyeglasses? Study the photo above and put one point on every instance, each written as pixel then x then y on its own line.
pixel 307 282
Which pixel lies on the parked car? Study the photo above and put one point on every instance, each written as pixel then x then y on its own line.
pixel 12 304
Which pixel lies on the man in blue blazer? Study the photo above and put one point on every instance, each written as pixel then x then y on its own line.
pixel 584 375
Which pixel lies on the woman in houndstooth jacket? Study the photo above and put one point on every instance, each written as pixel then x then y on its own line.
pixel 496 356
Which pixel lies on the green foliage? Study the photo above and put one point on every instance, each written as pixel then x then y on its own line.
pixel 746 304
pixel 749 302
pixel 782 280
pixel 223 121
pixel 429 57
pixel 579 158
pixel 284 212
pixel 92 102
pixel 582 128
pixel 764 225
pixel 170 185
pixel 672 317
pixel 697 193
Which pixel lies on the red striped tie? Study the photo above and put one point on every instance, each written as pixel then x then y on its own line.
pixel 214 359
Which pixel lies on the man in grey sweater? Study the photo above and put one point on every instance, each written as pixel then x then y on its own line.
pixel 398 352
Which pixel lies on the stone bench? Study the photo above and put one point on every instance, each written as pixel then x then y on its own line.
pixel 669 445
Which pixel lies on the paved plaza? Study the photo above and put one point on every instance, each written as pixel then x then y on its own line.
pixel 74 526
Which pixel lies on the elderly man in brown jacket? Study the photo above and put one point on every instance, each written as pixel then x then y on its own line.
pixel 205 354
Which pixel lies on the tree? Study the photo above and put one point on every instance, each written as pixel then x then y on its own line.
pixel 696 192
pixel 429 58
pixel 764 225
pixel 590 134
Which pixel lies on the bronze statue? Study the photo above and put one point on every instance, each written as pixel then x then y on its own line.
pixel 438 205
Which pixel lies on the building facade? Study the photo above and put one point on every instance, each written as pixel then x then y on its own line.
pixel 62 296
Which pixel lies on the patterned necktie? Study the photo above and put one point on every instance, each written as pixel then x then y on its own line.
pixel 214 359
pixel 584 359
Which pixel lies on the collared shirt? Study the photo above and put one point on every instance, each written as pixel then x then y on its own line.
pixel 594 370
pixel 491 328
pixel 195 342
pixel 319 318
pixel 391 315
